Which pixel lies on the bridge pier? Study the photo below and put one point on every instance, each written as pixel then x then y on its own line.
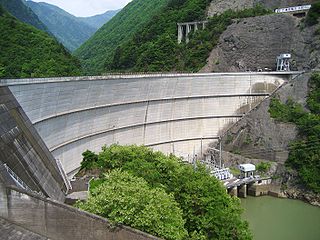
pixel 233 191
pixel 242 191
pixel 184 29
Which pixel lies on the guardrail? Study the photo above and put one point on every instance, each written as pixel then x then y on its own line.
pixel 114 76
pixel 19 181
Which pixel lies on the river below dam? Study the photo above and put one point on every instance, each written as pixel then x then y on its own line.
pixel 284 219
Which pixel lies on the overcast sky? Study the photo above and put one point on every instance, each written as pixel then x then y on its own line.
pixel 84 8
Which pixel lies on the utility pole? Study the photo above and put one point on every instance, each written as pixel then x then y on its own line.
pixel 220 152
pixel 201 148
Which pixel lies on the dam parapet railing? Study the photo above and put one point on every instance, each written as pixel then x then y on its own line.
pixel 114 76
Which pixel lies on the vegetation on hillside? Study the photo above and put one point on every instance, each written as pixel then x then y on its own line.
pixel 119 29
pixel 18 9
pixel 305 151
pixel 207 210
pixel 68 29
pixel 155 48
pixel 313 14
pixel 29 52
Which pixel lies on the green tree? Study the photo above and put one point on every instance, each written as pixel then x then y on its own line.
pixel 28 52
pixel 90 160
pixel 126 199
pixel 209 212
pixel 313 14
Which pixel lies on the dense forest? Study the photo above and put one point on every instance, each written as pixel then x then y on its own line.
pixel 19 10
pixel 29 52
pixel 155 48
pixel 305 151
pixel 161 195
pixel 94 53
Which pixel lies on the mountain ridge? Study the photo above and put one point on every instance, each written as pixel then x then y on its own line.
pixel 101 46
pixel 70 30
pixel 18 9
pixel 27 52
pixel 97 21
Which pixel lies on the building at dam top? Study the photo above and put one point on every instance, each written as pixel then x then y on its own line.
pixel 173 113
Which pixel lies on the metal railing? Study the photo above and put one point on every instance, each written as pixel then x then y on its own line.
pixel 64 175
pixel 19 181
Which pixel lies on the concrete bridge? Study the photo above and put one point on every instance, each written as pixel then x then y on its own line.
pixel 173 113
pixel 184 29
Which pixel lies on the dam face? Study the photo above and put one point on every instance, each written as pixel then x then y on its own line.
pixel 173 113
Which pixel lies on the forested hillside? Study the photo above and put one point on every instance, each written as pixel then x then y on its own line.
pixel 68 29
pixel 101 47
pixel 18 9
pixel 29 52
pixel 99 20
pixel 155 48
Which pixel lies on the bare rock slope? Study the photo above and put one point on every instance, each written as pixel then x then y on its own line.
pixel 254 43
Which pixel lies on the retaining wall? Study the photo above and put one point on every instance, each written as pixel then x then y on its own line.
pixel 58 221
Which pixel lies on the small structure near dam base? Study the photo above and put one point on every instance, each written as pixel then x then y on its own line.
pixel 247 183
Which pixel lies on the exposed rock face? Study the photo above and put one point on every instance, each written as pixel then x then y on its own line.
pixel 254 43
pixel 272 4
pixel 219 6
pixel 290 187
pixel 259 136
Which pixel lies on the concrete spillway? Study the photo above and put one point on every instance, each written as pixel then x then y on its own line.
pixel 174 113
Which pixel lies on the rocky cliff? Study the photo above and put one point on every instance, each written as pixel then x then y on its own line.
pixel 254 43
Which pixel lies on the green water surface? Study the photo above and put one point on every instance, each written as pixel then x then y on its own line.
pixel 273 218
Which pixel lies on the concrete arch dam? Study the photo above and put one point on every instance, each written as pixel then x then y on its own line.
pixel 173 113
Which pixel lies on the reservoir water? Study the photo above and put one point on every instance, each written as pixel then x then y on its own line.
pixel 284 219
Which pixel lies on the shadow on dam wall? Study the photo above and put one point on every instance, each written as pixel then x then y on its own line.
pixel 173 113
pixel 23 153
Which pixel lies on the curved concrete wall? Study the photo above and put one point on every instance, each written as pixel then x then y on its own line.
pixel 172 113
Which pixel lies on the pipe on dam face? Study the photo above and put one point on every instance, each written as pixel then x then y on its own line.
pixel 171 113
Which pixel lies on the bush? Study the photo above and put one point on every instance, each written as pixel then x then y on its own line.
pixel 263 167
pixel 126 199
pixel 89 161
pixel 313 14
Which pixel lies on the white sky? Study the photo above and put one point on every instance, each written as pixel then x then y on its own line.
pixel 84 8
